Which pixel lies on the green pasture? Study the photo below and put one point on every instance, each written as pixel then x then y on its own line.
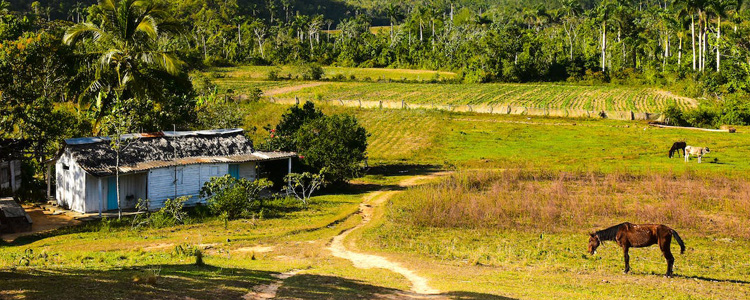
pixel 431 137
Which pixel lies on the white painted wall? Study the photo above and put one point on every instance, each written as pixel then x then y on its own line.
pixel 130 185
pixel 248 171
pixel 163 185
pixel 80 192
pixel 190 180
pixel 71 184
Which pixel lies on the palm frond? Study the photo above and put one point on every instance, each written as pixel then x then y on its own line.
pixel 80 31
pixel 165 60
pixel 149 26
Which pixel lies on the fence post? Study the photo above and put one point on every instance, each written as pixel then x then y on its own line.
pixel 296 100
pixel 360 103
pixel 403 104
pixel 380 104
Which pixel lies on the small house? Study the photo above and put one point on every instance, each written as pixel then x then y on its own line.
pixel 153 167
pixel 12 152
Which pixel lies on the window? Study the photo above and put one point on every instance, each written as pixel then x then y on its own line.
pixel 214 170
pixel 66 167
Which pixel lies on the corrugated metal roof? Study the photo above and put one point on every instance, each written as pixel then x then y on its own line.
pixel 213 132
pixel 254 157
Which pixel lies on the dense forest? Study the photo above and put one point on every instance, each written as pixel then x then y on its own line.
pixel 72 68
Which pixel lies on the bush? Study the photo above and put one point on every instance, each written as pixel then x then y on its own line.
pixel 310 71
pixel 171 214
pixel 273 74
pixel 235 198
pixel 337 143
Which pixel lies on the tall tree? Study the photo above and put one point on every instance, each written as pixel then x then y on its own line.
pixel 122 38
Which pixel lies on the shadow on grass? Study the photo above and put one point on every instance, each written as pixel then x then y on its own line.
pixel 307 286
pixel 713 279
pixel 148 282
pixel 403 169
pixel 382 171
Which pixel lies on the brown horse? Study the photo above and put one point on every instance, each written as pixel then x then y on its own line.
pixel 630 235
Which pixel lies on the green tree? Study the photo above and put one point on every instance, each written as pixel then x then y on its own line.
pixel 337 143
pixel 125 41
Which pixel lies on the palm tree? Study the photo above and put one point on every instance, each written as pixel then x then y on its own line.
pixel 124 46
pixel 570 10
pixel 394 13
pixel 720 9
pixel 690 8
pixel 604 13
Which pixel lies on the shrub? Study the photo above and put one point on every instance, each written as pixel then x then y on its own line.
pixel 254 94
pixel 303 185
pixel 273 74
pixel 337 143
pixel 236 198
pixel 171 214
pixel 310 71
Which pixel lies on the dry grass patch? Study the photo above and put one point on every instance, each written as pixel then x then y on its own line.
pixel 563 201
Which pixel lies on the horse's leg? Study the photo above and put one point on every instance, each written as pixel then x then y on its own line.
pixel 699 158
pixel 627 258
pixel 664 244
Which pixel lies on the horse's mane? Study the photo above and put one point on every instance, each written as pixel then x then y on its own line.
pixel 608 234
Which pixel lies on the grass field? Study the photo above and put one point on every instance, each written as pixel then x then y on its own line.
pixel 525 95
pixel 597 98
pixel 495 235
pixel 471 140
pixel 511 230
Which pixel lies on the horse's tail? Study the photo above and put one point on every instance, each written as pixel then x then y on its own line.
pixel 679 241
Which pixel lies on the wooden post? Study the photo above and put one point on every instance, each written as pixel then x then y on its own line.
pixel 296 100
pixel 12 175
pixel 49 180
pixel 403 104
pixel 289 182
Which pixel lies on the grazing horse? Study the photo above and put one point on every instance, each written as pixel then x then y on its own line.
pixel 696 151
pixel 676 147
pixel 630 235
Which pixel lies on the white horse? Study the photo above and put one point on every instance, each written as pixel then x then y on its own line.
pixel 696 151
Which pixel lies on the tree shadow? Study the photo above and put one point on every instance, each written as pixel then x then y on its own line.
pixel 146 282
pixel 403 169
pixel 713 279
pixel 308 286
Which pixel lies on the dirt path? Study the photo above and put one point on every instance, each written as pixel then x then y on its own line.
pixel 268 291
pixel 44 221
pixel 293 88
pixel 372 202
